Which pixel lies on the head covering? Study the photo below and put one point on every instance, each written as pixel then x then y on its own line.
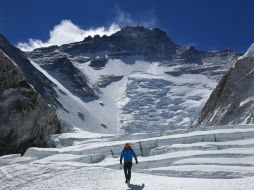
pixel 127 145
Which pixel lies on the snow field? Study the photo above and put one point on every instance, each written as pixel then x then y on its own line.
pixel 205 159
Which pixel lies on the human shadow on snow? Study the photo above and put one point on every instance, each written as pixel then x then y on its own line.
pixel 136 187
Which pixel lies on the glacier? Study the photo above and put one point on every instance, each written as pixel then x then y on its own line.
pixel 107 93
pixel 136 80
pixel 205 159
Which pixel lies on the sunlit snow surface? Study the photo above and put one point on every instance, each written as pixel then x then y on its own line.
pixel 250 51
pixel 74 106
pixel 147 98
pixel 214 159
pixel 128 93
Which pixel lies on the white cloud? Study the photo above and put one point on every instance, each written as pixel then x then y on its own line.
pixel 67 32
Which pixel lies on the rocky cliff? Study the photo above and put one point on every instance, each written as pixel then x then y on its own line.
pixel 25 118
pixel 232 101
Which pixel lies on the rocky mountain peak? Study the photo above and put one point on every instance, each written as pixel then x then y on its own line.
pixel 87 70
pixel 132 29
pixel 152 44
pixel 140 31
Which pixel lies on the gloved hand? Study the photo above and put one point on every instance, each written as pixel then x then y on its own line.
pixel 121 162
pixel 136 161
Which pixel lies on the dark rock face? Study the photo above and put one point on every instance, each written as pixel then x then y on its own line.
pixel 107 80
pixel 152 44
pixel 40 82
pixel 98 63
pixel 213 64
pixel 25 118
pixel 190 55
pixel 62 69
pixel 232 101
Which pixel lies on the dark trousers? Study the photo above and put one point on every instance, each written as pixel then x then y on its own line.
pixel 127 170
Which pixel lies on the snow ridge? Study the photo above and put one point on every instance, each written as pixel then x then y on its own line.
pixel 250 51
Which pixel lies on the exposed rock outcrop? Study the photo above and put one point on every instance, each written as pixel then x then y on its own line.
pixel 152 44
pixel 25 118
pixel 40 82
pixel 232 101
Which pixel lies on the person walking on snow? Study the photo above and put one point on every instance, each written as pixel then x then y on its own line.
pixel 127 153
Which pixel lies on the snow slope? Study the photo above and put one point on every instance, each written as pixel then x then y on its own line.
pixel 249 52
pixel 78 108
pixel 96 178
pixel 136 80
pixel 205 159
pixel 146 98
pixel 138 97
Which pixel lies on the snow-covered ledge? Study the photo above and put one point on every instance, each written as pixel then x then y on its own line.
pixel 249 52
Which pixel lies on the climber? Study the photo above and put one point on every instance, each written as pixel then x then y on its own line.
pixel 127 153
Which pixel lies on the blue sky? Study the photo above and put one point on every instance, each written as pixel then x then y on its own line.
pixel 206 24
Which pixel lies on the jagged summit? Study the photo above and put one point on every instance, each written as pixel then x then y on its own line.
pixel 134 31
pixel 140 31
pixel 152 44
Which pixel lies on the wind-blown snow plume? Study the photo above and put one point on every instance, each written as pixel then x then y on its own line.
pixel 124 18
pixel 67 32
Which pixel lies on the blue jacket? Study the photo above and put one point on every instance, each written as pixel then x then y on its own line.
pixel 127 154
